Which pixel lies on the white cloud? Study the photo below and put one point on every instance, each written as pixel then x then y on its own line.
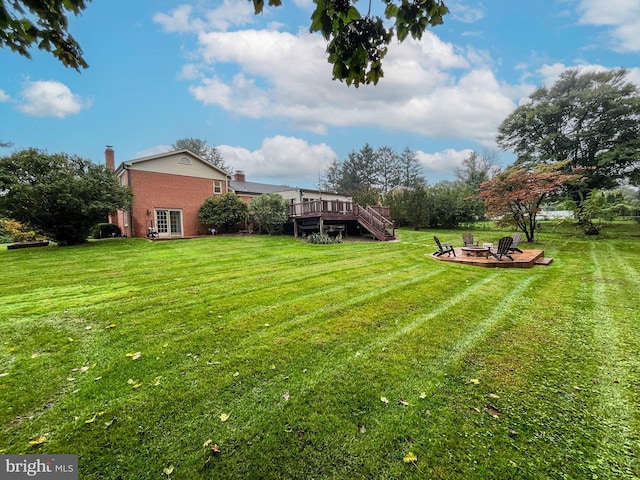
pixel 551 73
pixel 155 150
pixel 183 19
pixel 465 13
pixel 51 99
pixel 4 97
pixel 431 87
pixel 621 16
pixel 178 21
pixel 280 159
pixel 444 162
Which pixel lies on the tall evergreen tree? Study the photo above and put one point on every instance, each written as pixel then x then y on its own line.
pixel 412 174
pixel 207 152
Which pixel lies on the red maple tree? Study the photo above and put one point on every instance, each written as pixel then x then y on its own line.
pixel 515 195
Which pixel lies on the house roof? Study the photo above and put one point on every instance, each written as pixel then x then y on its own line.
pixel 258 188
pixel 183 151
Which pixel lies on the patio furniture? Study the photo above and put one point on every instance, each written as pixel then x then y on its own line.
pixel 467 238
pixel 503 249
pixel 516 239
pixel 443 248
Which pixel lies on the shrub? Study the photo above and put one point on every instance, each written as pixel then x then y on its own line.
pixel 106 230
pixel 322 239
pixel 17 232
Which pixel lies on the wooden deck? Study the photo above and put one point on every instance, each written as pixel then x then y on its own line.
pixel 326 216
pixel 526 259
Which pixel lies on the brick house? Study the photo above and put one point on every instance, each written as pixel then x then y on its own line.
pixel 168 190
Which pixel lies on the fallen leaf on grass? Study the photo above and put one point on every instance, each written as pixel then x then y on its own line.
pixel 4 374
pixel 493 395
pixel 93 419
pixel 224 417
pixel 493 411
pixel 422 395
pixel 134 383
pixel 168 470
pixel 475 381
pixel 38 441
pixel 362 428
pixel 110 326
pixel 84 369
pixel 384 399
pixel 410 458
pixel 134 356
pixel 404 403
pixel 236 374
pixel 212 447
pixel 286 396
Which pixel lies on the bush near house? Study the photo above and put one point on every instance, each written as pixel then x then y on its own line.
pixel 106 230
pixel 224 212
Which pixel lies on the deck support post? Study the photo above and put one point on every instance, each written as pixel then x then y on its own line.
pixel 295 228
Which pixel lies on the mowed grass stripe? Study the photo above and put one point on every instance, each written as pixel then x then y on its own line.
pixel 617 370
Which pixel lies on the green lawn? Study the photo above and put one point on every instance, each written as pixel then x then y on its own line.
pixel 323 361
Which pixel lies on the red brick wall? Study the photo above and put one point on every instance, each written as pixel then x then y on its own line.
pixel 160 190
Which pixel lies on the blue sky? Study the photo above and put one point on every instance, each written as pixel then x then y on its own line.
pixel 260 89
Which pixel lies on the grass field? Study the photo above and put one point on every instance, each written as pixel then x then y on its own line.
pixel 358 360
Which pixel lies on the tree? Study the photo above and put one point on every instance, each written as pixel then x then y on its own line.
pixel 271 210
pixel 223 211
pixel 411 173
pixel 591 119
pixel 330 181
pixel 61 196
pixel 389 169
pixel 475 169
pixel 515 195
pixel 49 32
pixel 359 171
pixel 208 152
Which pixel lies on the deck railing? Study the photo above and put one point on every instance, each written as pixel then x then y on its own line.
pixel 317 207
pixel 373 218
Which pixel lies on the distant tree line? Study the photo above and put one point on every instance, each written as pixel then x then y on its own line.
pixel 383 176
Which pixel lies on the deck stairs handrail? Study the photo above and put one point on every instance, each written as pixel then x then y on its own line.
pixel 377 225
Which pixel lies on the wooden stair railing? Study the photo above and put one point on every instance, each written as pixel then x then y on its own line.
pixel 375 223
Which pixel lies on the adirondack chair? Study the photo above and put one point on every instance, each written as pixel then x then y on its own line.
pixel 443 248
pixel 503 248
pixel 516 240
pixel 467 238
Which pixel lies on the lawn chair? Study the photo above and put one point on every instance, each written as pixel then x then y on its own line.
pixel 516 240
pixel 443 248
pixel 503 249
pixel 467 238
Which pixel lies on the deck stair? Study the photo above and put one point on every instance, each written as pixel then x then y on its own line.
pixel 379 226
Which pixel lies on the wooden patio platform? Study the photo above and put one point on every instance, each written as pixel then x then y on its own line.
pixel 526 259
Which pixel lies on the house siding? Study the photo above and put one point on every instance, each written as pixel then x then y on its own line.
pixel 155 190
